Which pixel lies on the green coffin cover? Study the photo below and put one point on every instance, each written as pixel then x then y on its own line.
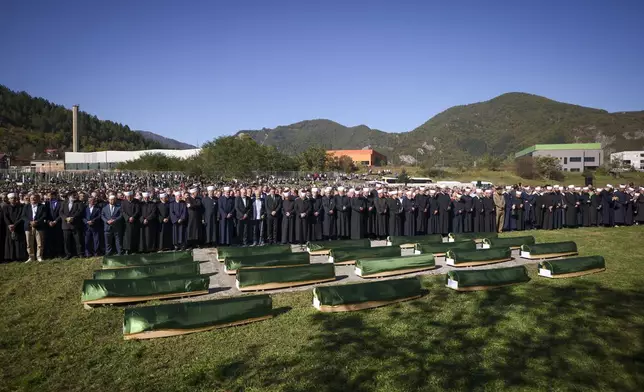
pixel 444 247
pixel 511 241
pixel 104 288
pixel 386 264
pixel 573 264
pixel 488 277
pixel 472 236
pixel 145 259
pixel 324 245
pixel 379 290
pixel 237 262
pixel 425 239
pixel 466 256
pixel 298 273
pixel 550 247
pixel 346 254
pixel 191 315
pixel 175 268
pixel 236 251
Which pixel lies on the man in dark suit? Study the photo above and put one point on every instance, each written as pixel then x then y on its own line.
pixel 112 226
pixel 72 223
pixel 243 209
pixel 257 218
pixel 273 205
pixel 54 237
pixel 36 216
pixel 93 228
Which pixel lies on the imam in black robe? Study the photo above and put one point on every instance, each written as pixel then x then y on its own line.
pixel 210 213
pixel 316 218
pixel 444 207
pixel 489 225
pixel 194 234
pixel 458 211
pixel 288 220
pixel 131 212
pixel 358 211
pixel 394 205
pixel 468 213
pixel 422 205
pixel 302 210
pixel 478 214
pixel 343 218
pixel 15 242
pixel 409 223
pixel 149 227
pixel 432 216
pixel 328 222
pixel 639 209
pixel 226 220
pixel 518 209
pixel 370 214
pixel 382 217
pixel 273 216
pixel 165 227
pixel 570 202
pixel 179 216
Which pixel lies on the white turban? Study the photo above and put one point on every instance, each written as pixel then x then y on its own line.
pixel 479 190
pixel 571 187
pixel 365 189
pixel 394 192
pixel 518 193
pixel 609 186
pixel 585 188
pixel 128 193
pixel 11 195
pixel 193 190
pixel 422 188
pixel 549 188
pixel 210 188
pixel 508 187
pixel 443 186
pixel 341 188
pixel 556 186
pixel 577 188
pixel 177 193
pixel 432 191
pixel 328 189
pixel 145 194
pixel 286 193
pixel 622 186
pixel 378 185
pixel 314 190
pixel 163 195
pixel 111 197
pixel 226 188
pixel 380 191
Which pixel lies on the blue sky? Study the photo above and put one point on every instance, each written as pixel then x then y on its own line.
pixel 194 70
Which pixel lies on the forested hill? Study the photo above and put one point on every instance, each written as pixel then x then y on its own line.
pixel 298 137
pixel 500 127
pixel 31 125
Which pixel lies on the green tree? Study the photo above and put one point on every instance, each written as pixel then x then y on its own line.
pixel 548 167
pixel 491 162
pixel 313 159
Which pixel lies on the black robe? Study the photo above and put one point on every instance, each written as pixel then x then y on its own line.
pixel 226 223
pixel 194 233
pixel 539 209
pixel 409 223
pixel 358 211
pixel 15 242
pixel 382 217
pixel 370 214
pixel 478 215
pixel 149 230
pixel 489 225
pixel 288 220
pixel 468 213
pixel 444 208
pixel 518 210
pixel 433 219
pixel 639 209
pixel 131 209
pixel 302 212
pixel 179 211
pixel 165 227
pixel 328 218
pixel 458 212
pixel 54 240
pixel 343 218
pixel 315 228
pixel 422 205
pixel 395 216
pixel 210 212
pixel 570 200
pixel 548 211
pixel 584 207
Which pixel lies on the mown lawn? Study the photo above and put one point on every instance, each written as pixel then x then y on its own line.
pixel 585 333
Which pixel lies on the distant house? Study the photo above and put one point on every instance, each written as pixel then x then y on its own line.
pixel 45 166
pixel 635 159
pixel 4 161
pixel 362 157
pixel 574 157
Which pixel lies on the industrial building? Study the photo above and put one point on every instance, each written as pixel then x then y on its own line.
pixel 635 159
pixel 361 157
pixel 108 160
pixel 573 157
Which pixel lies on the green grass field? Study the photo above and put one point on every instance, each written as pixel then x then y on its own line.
pixel 583 333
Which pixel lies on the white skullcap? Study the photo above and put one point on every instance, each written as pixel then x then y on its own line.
pixel 352 190
pixel 571 187
pixel 341 188
pixel 518 193
pixel 488 191
pixel 479 190
pixel 622 186
pixel 443 186
pixel 163 195
pixel 549 188
pixel 11 195
pixel 637 193
pixel 557 187
pixel 537 188
pixel 609 186
pixel 285 193
pixel 585 188
pixel 422 188
pixel 508 187
pixel 631 189
pixel 226 188
pixel 210 188
pixel 286 189
pixel 378 185
pixel 577 188
pixel 193 190
pixel 314 190
pixel 145 194
pixel 380 191
pixel 177 193
pixel 328 189
pixel 468 189
pixel 432 191
pixel 394 192
pixel 127 193
pixel 94 194
pixel 408 192
pixel 111 197
pixel 365 189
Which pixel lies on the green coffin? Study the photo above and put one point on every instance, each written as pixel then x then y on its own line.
pixel 360 293
pixel 178 318
pixel 145 259
pixel 549 248
pixel 444 247
pixel 458 257
pixel 346 254
pixel 424 239
pixel 512 242
pixel 482 279
pixel 235 251
pixel 175 268
pixel 285 276
pixel 471 236
pixel 270 260
pixel 393 265
pixel 130 288
pixel 327 245
pixel 572 265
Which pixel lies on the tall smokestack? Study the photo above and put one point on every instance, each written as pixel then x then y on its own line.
pixel 75 128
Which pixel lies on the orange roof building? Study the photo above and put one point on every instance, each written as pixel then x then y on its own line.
pixel 361 157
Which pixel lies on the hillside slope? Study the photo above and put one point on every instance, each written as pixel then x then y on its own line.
pixel 29 125
pixel 166 142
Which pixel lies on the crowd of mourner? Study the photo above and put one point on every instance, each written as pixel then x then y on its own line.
pixel 40 223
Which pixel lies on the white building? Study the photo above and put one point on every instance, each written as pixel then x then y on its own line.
pixel 107 160
pixel 630 158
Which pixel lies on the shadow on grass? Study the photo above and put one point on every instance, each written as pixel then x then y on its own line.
pixel 534 336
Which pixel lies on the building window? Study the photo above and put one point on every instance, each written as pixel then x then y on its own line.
pixel 641 155
pixel 642 162
pixel 565 161
pixel 589 159
pixel 575 159
pixel 565 169
pixel 574 170
pixel 627 161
